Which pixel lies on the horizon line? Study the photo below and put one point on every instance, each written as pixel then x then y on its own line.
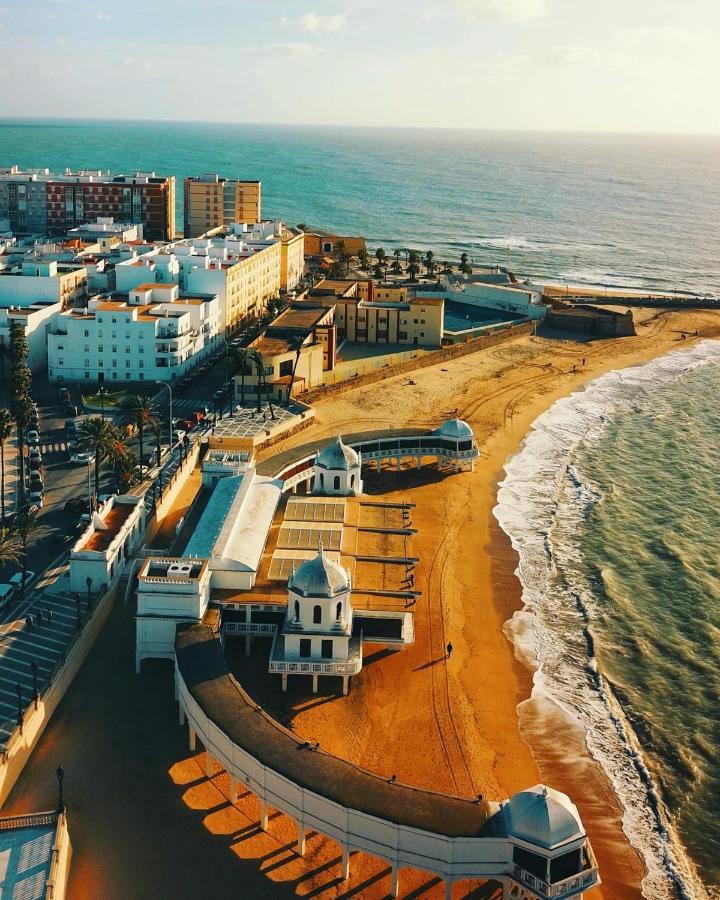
pixel 350 127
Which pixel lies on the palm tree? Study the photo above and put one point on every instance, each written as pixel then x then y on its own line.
pixel 27 530
pixel 396 267
pixel 465 266
pixel 447 268
pixel 262 383
pixel 364 258
pixel 295 343
pixel 413 264
pixel 140 411
pixel 100 436
pixel 122 458
pixel 10 546
pixel 380 255
pixel 6 429
pixel 430 262
pixel 397 254
pixel 240 364
pixel 20 383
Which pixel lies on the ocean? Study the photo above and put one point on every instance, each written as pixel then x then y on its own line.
pixel 612 504
pixel 634 211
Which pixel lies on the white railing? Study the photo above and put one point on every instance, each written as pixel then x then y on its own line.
pixel 573 885
pixel 315 668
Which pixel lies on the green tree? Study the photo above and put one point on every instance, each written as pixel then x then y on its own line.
pixel 380 256
pixel 397 253
pixel 6 429
pixel 139 411
pixel 10 546
pixel 447 268
pixel 28 530
pixel 259 362
pixel 100 436
pixel 413 264
pixel 295 343
pixel 364 258
pixel 465 264
pixel 429 262
pixel 240 365
pixel 20 383
pixel 378 270
pixel 123 460
pixel 396 267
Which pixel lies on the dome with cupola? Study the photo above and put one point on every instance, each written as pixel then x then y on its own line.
pixel 319 577
pixel 455 429
pixel 542 816
pixel 337 456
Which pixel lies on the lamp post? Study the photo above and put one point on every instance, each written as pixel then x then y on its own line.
pixel 36 695
pixel 91 504
pixel 165 385
pixel 18 688
pixel 102 393
pixel 60 775
pixel 88 582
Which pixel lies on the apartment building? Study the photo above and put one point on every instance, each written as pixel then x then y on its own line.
pixel 38 201
pixel 152 333
pixel 34 278
pixel 381 314
pixel 210 202
pixel 246 266
pixel 36 320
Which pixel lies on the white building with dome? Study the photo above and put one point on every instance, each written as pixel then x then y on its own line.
pixel 317 635
pixel 337 471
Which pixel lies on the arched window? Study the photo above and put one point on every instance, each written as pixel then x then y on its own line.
pixel 338 611
pixel 297 610
pixel 352 481
pixel 317 615
pixel 322 480
pixel 336 483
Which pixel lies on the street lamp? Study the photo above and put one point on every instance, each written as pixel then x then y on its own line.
pixel 166 385
pixel 18 688
pixel 88 582
pixel 34 667
pixel 102 393
pixel 60 775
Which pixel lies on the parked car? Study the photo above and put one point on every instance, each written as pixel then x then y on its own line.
pixel 71 410
pixel 84 520
pixel 35 464
pixel 65 394
pixel 188 424
pixel 36 482
pixel 142 470
pixel 76 505
pixel 32 437
pixel 36 497
pixel 82 458
pixel 34 453
pixel 103 498
pixel 16 579
pixel 178 434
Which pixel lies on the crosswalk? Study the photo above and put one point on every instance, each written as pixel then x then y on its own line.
pixel 54 447
pixel 22 644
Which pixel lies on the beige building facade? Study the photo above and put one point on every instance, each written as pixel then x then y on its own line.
pixel 214 202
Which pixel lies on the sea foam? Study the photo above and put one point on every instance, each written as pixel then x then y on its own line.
pixel 542 502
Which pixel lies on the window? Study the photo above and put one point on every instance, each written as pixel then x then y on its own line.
pixel 422 321
pixel 100 364
pixel 127 363
pixel 142 364
pixel 352 481
pixel 61 346
pixel 286 367
pixel 87 374
pixel 305 647
pixel 87 363
pixel 61 362
pixel 127 375
pixel 402 335
pixel 338 611
pixel 87 333
pixel 127 349
pixel 531 862
pixel 336 483
pixel 297 611
pixel 317 615
pixel 326 649
pixel 100 348
pixel 141 350
pixel 114 348
pixel 415 321
pixel 114 320
pixel 115 375
pixel 322 480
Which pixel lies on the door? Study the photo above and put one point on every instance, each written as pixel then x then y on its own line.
pixel 305 647
pixel 327 649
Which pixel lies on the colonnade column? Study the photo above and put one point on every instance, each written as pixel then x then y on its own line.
pixel 346 679
pixel 283 679
pixel 315 684
pixel 399 463
pixel 378 464
pixel 263 815
pixel 208 765
pixel 181 715
pixel 301 840
pixel 345 864
pixel 449 889
pixel 395 880
pixel 233 790
pixel 191 738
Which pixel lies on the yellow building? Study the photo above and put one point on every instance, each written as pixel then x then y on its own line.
pixel 293 258
pixel 213 202
pixel 324 243
pixel 251 282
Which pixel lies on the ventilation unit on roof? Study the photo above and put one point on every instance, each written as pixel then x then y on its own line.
pixel 179 570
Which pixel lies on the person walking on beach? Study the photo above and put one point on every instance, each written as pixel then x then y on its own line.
pixel 449 650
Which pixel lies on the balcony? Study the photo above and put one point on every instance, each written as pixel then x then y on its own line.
pixel 312 666
pixel 568 887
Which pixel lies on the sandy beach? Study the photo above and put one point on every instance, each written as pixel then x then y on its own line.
pixel 464 725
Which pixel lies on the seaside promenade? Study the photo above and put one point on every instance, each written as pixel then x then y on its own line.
pixel 125 757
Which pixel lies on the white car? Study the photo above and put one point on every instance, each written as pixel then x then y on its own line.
pixel 34 453
pixel 178 434
pixel 83 458
pixel 37 498
pixel 32 438
pixel 16 579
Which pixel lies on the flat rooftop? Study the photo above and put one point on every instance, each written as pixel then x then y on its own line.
pixel 114 519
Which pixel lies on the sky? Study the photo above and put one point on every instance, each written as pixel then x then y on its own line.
pixel 581 65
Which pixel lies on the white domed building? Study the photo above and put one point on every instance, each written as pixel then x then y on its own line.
pixel 337 471
pixel 458 442
pixel 317 635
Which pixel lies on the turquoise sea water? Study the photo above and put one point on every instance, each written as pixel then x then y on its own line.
pixel 621 210
pixel 613 505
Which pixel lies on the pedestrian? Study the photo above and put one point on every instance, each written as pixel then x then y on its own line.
pixel 449 650
pixel 583 360
pixel 29 622
pixel 48 613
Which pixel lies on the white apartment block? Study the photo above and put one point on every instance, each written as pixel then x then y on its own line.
pixel 36 279
pixel 36 320
pixel 245 267
pixel 150 334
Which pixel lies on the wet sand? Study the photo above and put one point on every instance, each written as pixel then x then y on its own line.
pixel 145 820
